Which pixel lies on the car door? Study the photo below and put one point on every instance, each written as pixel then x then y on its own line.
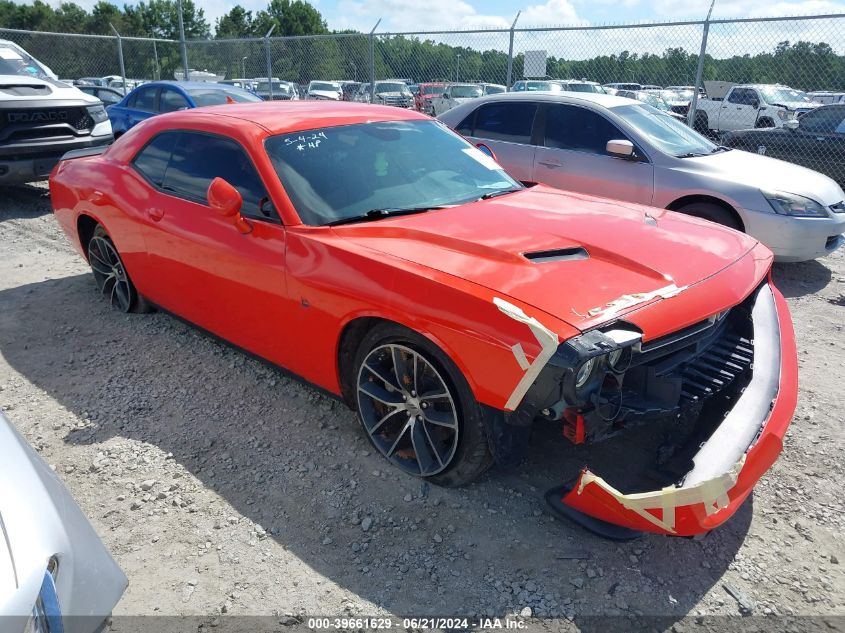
pixel 573 156
pixel 506 128
pixel 142 106
pixel 739 110
pixel 208 272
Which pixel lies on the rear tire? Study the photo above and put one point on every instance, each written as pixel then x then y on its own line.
pixel 713 212
pixel 111 276
pixel 701 124
pixel 437 433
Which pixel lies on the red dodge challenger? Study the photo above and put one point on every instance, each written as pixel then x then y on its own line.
pixel 378 255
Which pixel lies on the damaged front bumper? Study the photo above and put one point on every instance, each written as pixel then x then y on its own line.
pixel 738 452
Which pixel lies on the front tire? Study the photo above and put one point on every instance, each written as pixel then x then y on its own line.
pixel 417 409
pixel 713 212
pixel 765 122
pixel 110 274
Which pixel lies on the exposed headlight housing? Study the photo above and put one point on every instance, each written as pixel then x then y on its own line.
pixel 794 205
pixel 98 113
pixel 786 115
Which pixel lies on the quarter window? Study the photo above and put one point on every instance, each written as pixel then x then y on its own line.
pixel 152 160
pixel 200 158
pixel 506 121
pixel 579 129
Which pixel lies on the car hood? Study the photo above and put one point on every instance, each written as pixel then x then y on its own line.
pixel 324 94
pixel 22 88
pixel 39 520
pixel 607 249
pixel 796 105
pixel 763 172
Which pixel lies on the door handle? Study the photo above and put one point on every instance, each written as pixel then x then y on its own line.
pixel 551 164
pixel 155 213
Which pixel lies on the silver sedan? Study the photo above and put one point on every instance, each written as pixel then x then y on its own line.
pixel 55 574
pixel 619 148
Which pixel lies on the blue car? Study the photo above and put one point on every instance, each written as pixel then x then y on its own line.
pixel 168 96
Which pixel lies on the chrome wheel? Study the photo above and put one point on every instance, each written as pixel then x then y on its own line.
pixel 109 273
pixel 407 409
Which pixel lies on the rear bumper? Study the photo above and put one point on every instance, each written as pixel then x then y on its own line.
pixel 35 162
pixel 729 464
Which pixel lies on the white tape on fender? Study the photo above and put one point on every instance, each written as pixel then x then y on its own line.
pixel 548 341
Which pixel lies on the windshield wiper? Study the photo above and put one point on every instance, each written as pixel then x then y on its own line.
pixel 377 214
pixel 689 155
pixel 720 148
pixel 500 192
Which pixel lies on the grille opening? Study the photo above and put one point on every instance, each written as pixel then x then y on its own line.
pixel 559 254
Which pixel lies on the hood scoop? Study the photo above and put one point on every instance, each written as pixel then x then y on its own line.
pixel 25 90
pixel 574 253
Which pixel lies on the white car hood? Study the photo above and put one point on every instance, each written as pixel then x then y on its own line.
pixel 797 105
pixel 324 94
pixel 14 88
pixel 38 520
pixel 767 173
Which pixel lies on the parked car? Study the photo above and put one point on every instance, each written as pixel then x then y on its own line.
pixel 492 89
pixel 624 86
pixel 168 96
pixel 393 93
pixel 325 90
pixel 816 140
pixel 677 100
pixel 362 95
pixel 241 82
pixel 731 107
pixel 574 85
pixel 108 96
pixel 530 85
pixel 453 95
pixel 427 92
pixel 55 573
pixel 42 118
pixel 827 98
pixel 374 252
pixel 652 98
pixel 350 89
pixel 609 146
pixel 282 91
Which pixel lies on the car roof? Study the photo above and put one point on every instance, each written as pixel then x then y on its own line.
pixel 283 117
pixel 607 101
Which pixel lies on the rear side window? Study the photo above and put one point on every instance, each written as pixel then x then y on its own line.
pixel 579 129
pixel 152 160
pixel 507 121
pixel 200 158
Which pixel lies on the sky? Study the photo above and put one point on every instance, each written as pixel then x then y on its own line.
pixel 414 15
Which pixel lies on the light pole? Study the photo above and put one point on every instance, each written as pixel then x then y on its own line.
pixel 458 69
pixel 243 66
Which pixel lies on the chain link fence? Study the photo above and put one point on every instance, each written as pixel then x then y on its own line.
pixel 764 55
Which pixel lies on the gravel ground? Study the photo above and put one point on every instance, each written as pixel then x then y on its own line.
pixel 223 487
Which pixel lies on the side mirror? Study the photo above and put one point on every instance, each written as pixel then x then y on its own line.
pixel 791 124
pixel 620 148
pixel 227 201
pixel 486 150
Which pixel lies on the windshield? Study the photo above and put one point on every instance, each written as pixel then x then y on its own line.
pixel 319 85
pixel 465 92
pixel 665 132
pixel 219 96
pixel 543 85
pixel 391 87
pixel 431 90
pixel 16 61
pixel 784 95
pixel 264 86
pixel 574 87
pixel 493 90
pixel 336 173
